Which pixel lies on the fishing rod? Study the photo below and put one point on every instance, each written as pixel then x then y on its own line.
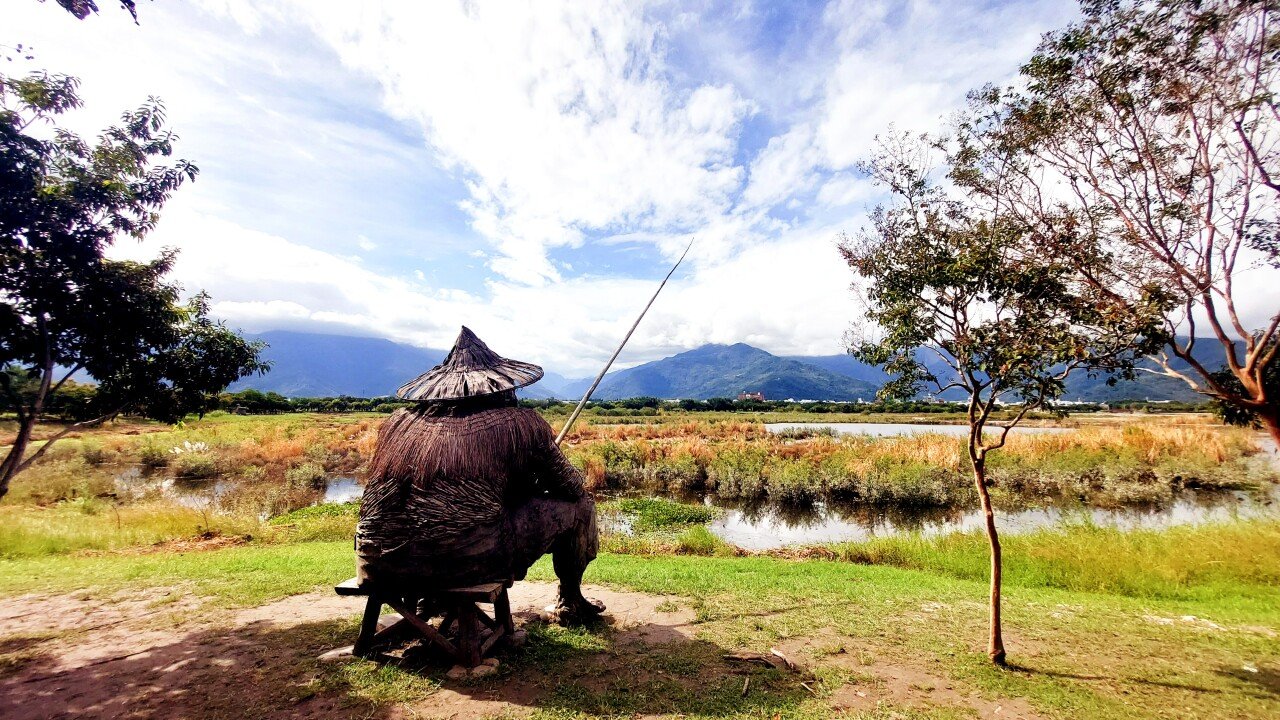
pixel 581 403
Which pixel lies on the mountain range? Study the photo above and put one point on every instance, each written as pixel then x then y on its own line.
pixel 314 365
pixel 318 365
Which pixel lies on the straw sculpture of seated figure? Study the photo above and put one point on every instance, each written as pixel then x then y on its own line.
pixel 466 487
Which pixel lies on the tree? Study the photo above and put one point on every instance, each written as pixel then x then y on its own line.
pixel 1239 415
pixel 64 306
pixel 1153 126
pixel 951 277
pixel 84 8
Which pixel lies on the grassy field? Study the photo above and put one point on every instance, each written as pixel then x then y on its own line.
pixel 1100 624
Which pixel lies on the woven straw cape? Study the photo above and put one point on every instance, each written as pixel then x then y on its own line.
pixel 470 370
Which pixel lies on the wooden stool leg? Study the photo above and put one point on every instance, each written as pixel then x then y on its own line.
pixel 368 626
pixel 502 608
pixel 468 635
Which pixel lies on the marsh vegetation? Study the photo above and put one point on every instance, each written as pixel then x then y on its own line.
pixel 137 483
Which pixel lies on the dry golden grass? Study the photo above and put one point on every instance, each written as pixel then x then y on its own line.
pixel 1139 462
pixel 666 431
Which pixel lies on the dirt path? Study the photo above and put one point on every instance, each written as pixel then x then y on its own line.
pixel 175 656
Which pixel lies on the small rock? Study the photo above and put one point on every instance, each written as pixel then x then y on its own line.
pixel 786 661
pixel 457 672
pixel 483 670
pixel 518 638
pixel 337 654
pixel 388 620
pixel 491 662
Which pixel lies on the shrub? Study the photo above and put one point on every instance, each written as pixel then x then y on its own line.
pixel 308 473
pixel 656 513
pixel 195 465
pixel 794 482
pixel 698 540
pixel 49 482
pixel 253 473
pixel 152 453
pixel 678 472
pixel 738 472
pixel 93 452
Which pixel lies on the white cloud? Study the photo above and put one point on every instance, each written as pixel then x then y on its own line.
pixel 848 189
pixel 783 169
pixel 569 134
pixel 261 282
pixel 560 115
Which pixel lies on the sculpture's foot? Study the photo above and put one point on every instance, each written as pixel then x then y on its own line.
pixel 574 608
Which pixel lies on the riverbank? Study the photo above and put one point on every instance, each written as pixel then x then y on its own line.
pixel 134 484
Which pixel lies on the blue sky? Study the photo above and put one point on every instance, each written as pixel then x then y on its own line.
pixel 529 169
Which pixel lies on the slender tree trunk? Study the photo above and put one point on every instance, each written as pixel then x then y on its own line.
pixel 995 645
pixel 13 461
pixel 1271 423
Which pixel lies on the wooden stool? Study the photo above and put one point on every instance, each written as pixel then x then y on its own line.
pixel 458 606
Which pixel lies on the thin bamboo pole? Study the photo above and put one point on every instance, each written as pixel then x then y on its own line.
pixel 581 403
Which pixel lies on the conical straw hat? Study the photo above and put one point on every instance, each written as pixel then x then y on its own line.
pixel 470 370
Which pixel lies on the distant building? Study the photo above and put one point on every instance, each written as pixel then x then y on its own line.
pixel 751 396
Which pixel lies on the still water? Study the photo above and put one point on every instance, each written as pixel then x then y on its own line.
pixel 206 493
pixel 894 429
pixel 770 526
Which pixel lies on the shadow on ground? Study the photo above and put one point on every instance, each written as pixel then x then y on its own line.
pixel 597 669
pixel 264 670
pixel 258 670
pixel 1263 682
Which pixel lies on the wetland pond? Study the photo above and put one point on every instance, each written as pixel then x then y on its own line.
pixel 202 493
pixel 895 429
pixel 767 526
pixel 771 526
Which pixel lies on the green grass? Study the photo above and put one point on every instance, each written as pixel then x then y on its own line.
pixel 658 514
pixel 240 576
pixel 99 524
pixel 1218 562
pixel 1099 624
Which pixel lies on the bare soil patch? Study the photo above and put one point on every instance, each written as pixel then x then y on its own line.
pixel 173 655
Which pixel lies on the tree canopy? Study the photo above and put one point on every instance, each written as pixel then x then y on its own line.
pixel 65 306
pixel 84 8
pixel 1144 142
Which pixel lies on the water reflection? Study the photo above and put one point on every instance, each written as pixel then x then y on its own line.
pixel 139 482
pixel 895 429
pixel 342 490
pixel 766 526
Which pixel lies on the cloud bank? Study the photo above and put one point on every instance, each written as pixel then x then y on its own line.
pixel 532 169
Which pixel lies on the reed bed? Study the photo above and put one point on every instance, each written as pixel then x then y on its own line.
pixel 1104 466
pixel 278 464
pixel 297 450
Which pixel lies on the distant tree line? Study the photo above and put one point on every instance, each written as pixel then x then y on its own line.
pixel 256 402
pixel 76 401
pixel 641 406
